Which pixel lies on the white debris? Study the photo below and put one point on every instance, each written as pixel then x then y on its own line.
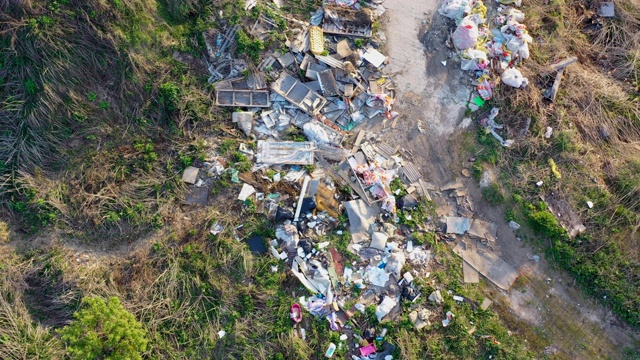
pixel 246 191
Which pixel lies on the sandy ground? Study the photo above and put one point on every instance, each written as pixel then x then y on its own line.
pixel 431 101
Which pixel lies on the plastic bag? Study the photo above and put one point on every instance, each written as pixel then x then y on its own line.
pixel 473 60
pixel 316 133
pixel 455 9
pixel 466 34
pixel 513 77
pixel 519 47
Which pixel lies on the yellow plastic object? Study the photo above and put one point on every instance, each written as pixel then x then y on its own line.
pixel 554 169
pixel 316 40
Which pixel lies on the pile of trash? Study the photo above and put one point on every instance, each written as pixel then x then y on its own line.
pixel 498 45
pixel 328 85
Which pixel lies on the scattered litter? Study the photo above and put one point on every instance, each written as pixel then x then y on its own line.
pixel 244 119
pixel 420 319
pixel 374 57
pixel 448 319
pixel 485 304
pixel 216 228
pixel 368 350
pixel 444 63
pixel 513 77
pixel 554 169
pixel 190 175
pixel 296 313
pixel 436 297
pixel 285 152
pixel 466 34
pixel 590 204
pixel 548 133
pixel 514 225
pixel 330 351
pixel 246 191
pixel 385 307
pixel 221 334
pixel 256 245
pixel 607 9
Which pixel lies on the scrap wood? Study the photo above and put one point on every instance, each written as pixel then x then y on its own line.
pixel 559 66
pixel 551 93
pixel 488 264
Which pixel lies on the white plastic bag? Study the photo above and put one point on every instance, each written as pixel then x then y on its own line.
pixel 473 59
pixel 455 9
pixel 466 34
pixel 513 77
pixel 316 133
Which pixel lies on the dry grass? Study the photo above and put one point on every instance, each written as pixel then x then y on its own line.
pixel 22 338
pixel 81 92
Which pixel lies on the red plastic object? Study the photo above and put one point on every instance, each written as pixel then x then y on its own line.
pixel 296 313
pixel 367 350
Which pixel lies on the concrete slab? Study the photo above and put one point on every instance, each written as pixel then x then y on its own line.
pixel 488 264
pixel 483 229
pixel 457 225
pixel 471 275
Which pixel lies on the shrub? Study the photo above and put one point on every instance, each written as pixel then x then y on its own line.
pixel 169 95
pixel 494 194
pixel 104 330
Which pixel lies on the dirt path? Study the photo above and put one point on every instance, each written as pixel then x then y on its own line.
pixel 431 101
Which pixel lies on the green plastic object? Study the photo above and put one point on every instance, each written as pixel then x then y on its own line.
pixel 478 101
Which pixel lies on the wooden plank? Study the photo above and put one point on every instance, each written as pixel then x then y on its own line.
pixel 551 93
pixel 559 66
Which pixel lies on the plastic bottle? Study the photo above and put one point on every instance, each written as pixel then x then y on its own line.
pixel 383 333
pixel 330 351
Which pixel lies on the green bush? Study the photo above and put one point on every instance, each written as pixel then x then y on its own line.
pixel 246 46
pixel 494 194
pixel 169 95
pixel 546 223
pixel 104 330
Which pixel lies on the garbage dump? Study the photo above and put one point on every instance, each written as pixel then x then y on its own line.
pixel 491 48
pixel 331 86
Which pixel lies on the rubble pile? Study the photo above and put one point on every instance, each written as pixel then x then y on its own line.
pixel 330 85
pixel 488 48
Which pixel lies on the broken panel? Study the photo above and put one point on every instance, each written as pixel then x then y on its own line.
pixel 242 98
pixel 298 94
pixel 285 152
pixel 328 83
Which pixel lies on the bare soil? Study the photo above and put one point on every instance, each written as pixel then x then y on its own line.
pixel 431 101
